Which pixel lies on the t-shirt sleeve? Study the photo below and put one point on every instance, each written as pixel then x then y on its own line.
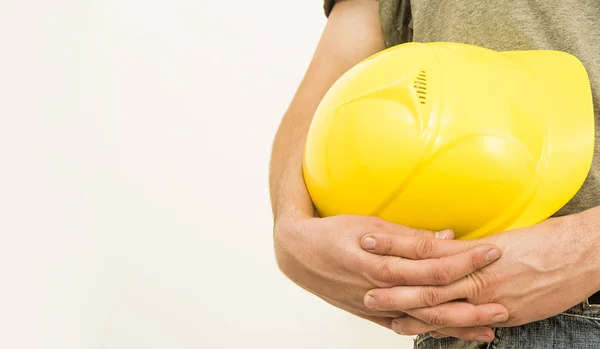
pixel 396 20
pixel 328 6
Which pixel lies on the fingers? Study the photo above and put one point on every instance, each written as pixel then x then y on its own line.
pixel 381 225
pixel 438 335
pixel 410 326
pixel 445 270
pixel 479 334
pixel 401 230
pixel 392 271
pixel 403 298
pixel 359 310
pixel 460 320
pixel 459 314
pixel 381 321
pixel 412 247
pixel 456 319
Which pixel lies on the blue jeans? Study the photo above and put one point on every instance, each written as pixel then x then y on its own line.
pixel 578 327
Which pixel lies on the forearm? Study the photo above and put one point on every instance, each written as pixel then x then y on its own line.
pixel 585 232
pixel 353 33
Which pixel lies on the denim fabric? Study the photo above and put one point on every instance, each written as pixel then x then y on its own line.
pixel 578 327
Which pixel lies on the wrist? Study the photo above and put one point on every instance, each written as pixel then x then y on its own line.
pixel 586 227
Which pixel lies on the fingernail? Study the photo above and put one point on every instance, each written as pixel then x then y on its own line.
pixel 370 302
pixel 492 255
pixel 435 334
pixel 498 318
pixel 444 234
pixel 396 327
pixel 369 243
pixel 483 339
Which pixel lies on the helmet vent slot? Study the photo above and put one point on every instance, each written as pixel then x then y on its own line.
pixel 421 86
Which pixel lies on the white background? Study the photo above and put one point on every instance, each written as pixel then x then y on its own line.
pixel 134 145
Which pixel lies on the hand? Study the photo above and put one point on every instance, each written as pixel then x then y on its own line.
pixel 545 270
pixel 324 256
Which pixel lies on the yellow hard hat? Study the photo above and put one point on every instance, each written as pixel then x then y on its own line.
pixel 452 136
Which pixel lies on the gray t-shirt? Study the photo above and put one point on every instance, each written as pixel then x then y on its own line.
pixel 566 25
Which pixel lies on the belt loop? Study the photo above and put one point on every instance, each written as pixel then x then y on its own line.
pixel 593 301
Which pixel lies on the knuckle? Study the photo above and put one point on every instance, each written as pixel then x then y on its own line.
pixel 387 275
pixel 376 223
pixel 443 275
pixel 481 287
pixel 424 248
pixel 389 303
pixel 436 318
pixel 477 261
pixel 384 273
pixel 352 261
pixel 416 232
pixel 430 296
pixel 387 246
pixel 477 319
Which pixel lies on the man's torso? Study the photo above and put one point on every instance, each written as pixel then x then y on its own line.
pixel 571 26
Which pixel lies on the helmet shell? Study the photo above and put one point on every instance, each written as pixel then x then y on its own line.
pixel 452 136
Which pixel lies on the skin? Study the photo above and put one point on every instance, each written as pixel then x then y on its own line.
pixel 544 270
pixel 409 280
pixel 324 255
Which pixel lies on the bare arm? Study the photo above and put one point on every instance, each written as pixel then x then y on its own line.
pixel 324 255
pixel 353 33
